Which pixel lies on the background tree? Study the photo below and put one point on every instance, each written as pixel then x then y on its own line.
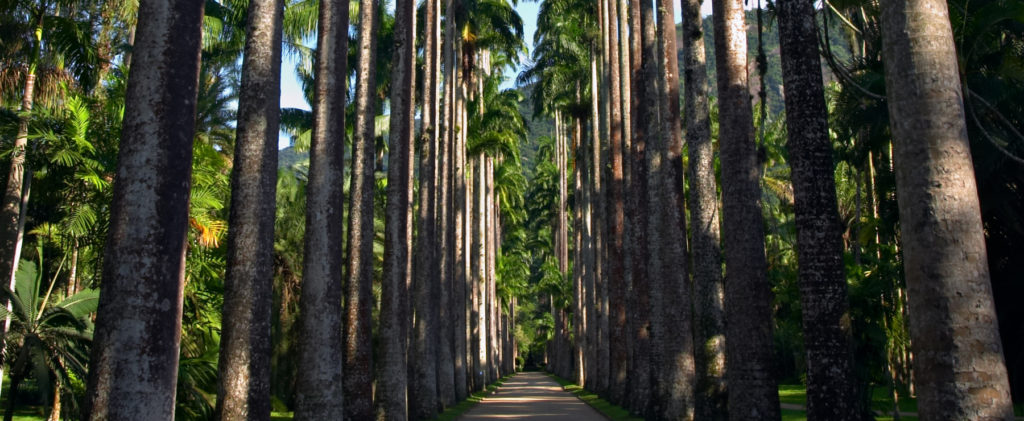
pixel 752 385
pixel 245 348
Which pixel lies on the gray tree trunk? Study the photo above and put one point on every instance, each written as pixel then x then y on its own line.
pixel 134 368
pixel 318 390
pixel 458 212
pixel 424 346
pixel 491 213
pixel 671 292
pixel 645 124
pixel 394 316
pixel 617 289
pixel 603 172
pixel 753 391
pixel 709 295
pixel 358 358
pixel 446 361
pixel 594 207
pixel 831 383
pixel 958 359
pixel 244 366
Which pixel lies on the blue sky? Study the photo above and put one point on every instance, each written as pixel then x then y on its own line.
pixel 291 88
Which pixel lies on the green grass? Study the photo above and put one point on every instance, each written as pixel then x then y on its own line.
pixel 613 412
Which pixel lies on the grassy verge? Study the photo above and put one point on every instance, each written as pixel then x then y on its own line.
pixel 613 412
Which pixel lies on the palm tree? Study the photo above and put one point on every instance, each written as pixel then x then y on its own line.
pixel 831 385
pixel 671 324
pixel 752 385
pixel 425 289
pixel 51 335
pixel 708 323
pixel 393 331
pixel 358 363
pixel 615 217
pixel 245 343
pixel 958 355
pixel 645 123
pixel 320 351
pixel 139 318
pixel 63 59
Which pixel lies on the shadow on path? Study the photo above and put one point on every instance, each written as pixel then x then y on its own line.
pixel 531 396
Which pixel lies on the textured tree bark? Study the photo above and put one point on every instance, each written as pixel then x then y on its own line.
pixel 958 358
pixel 644 112
pixel 492 272
pixel 394 317
pixel 563 348
pixel 616 220
pixel 594 218
pixel 359 300
pixel 321 347
pixel 480 269
pixel 753 393
pixel 709 312
pixel 134 367
pixel 831 383
pixel 458 175
pixel 423 364
pixel 244 366
pixel 603 172
pixel 579 266
pixel 626 52
pixel 671 292
pixel 446 361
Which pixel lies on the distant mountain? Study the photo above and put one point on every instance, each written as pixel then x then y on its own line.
pixel 289 156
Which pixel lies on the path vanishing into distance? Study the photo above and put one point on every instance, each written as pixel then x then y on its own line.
pixel 532 396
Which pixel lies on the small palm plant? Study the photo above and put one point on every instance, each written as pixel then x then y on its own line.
pixel 46 339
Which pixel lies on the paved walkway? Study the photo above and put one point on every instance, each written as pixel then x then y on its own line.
pixel 531 396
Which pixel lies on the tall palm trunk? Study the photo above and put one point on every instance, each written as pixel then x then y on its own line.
pixel 391 374
pixel 602 173
pixel 423 367
pixel 446 359
pixel 562 248
pixel 594 218
pixel 358 358
pixel 581 267
pixel 479 274
pixel 616 289
pixel 491 218
pixel 244 367
pixel 752 386
pixel 645 122
pixel 320 335
pixel 138 324
pixel 709 313
pixel 458 208
pixel 958 358
pixel 831 384
pixel 671 324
